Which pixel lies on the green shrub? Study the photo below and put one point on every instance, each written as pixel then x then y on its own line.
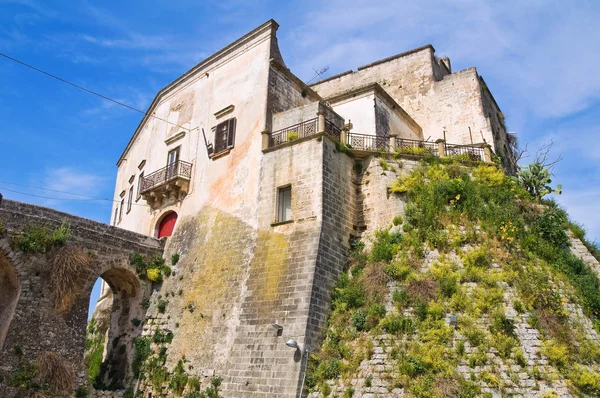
pixel 83 392
pixel 142 352
pixel 178 379
pixel 349 293
pixel 557 353
pixel 292 136
pixel 385 246
pixel 359 319
pixel 162 305
pixel 397 220
pixel 395 323
pixel 550 226
pixel 480 258
pixel 502 324
pixel 586 381
pixel 38 239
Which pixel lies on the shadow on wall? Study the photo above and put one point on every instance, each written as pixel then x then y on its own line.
pixel 10 289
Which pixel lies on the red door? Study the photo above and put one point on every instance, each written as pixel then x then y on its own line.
pixel 167 224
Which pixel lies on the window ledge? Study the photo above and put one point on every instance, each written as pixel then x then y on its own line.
pixel 128 211
pixel 220 154
pixel 274 224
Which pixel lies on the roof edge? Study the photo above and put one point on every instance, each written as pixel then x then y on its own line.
pixel 270 24
pixel 393 57
pixel 295 79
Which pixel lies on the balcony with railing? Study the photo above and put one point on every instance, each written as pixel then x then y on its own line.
pixel 169 182
pixel 362 145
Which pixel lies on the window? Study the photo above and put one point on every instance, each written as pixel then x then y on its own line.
pixel 172 159
pixel 284 204
pixel 224 135
pixel 116 215
pixel 173 156
pixel 130 199
pixel 121 209
pixel 139 190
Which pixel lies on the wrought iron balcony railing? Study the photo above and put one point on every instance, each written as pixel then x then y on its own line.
pixel 172 172
pixel 465 152
pixel 416 148
pixel 300 130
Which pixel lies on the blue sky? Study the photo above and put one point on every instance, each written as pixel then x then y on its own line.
pixel 539 58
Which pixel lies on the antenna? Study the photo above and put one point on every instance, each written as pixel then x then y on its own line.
pixel 318 73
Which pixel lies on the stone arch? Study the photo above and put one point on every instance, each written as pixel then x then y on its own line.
pixel 116 315
pixel 10 291
pixel 165 225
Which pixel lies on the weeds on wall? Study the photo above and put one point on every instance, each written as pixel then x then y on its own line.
pixel 37 239
pixel 48 375
pixel 68 266
pixel 149 366
pixel 153 270
pixel 489 232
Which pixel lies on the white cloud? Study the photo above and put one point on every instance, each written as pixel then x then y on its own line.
pixel 543 53
pixel 70 179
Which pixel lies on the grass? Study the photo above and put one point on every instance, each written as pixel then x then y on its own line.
pixel 491 235
pixel 54 370
pixel 68 266
pixel 38 239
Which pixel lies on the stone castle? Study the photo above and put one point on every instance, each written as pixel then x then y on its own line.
pixel 257 183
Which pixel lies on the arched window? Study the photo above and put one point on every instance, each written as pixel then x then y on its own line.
pixel 166 225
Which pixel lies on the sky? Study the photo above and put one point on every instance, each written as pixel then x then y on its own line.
pixel 540 59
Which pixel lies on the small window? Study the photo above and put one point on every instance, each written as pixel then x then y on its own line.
pixel 130 199
pixel 284 204
pixel 116 215
pixel 173 156
pixel 224 135
pixel 121 209
pixel 139 190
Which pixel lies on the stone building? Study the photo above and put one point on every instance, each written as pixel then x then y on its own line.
pixel 254 179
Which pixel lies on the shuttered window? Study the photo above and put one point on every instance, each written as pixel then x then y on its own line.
pixel 224 135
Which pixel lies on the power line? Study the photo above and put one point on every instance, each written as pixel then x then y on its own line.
pixel 51 190
pixel 91 199
pixel 88 90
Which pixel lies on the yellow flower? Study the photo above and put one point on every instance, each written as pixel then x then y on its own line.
pixel 153 274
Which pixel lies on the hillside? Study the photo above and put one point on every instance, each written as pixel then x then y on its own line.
pixel 477 290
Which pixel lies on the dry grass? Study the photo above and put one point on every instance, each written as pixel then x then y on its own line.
pixel 551 325
pixel 426 289
pixel 54 370
pixel 68 265
pixel 35 394
pixel 374 280
pixel 447 387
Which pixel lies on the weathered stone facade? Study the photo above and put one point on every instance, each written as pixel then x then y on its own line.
pixel 246 282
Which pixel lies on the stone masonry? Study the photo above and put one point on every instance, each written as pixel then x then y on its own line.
pixel 33 325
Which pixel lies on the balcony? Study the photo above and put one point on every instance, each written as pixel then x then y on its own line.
pixel 170 182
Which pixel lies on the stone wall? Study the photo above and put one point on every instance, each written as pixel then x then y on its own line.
pixel 436 100
pixel 37 326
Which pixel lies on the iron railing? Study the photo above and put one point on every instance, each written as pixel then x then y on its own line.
pixel 179 169
pixel 300 130
pixel 416 148
pixel 465 152
pixel 332 130
pixel 366 142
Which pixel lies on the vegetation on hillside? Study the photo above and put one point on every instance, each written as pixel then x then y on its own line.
pixel 476 244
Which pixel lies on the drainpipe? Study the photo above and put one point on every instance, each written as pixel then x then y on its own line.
pixel 305 355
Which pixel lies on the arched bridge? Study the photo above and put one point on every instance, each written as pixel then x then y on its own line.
pixel 49 262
